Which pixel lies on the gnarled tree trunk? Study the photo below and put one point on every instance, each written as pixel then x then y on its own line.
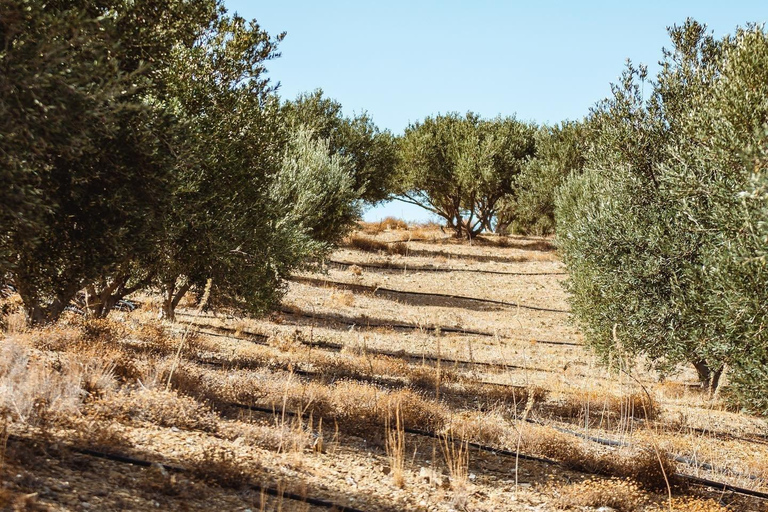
pixel 39 310
pixel 709 377
pixel 101 297
pixel 172 295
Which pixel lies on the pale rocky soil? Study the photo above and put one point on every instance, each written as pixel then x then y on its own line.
pixel 345 460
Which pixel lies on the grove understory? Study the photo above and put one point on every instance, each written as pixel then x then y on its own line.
pixel 322 400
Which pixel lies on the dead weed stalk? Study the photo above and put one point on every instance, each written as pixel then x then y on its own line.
pixel 456 456
pixel 396 447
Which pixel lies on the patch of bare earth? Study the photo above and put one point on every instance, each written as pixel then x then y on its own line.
pixel 365 396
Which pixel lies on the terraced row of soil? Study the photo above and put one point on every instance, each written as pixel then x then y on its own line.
pixel 378 386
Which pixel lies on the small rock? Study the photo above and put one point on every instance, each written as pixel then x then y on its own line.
pixel 472 477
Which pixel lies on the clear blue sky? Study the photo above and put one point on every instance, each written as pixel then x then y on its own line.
pixel 401 60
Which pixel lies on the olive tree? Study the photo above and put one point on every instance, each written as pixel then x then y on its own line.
pixel 219 225
pixel 560 152
pixel 662 231
pixel 256 196
pixel 718 178
pixel 315 189
pixel 461 167
pixel 371 152
pixel 84 165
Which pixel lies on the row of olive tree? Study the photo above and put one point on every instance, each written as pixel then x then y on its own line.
pixel 141 145
pixel 664 233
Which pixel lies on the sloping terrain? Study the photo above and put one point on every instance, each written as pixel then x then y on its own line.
pixel 409 372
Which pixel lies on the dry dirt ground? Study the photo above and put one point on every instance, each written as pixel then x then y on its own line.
pixel 363 396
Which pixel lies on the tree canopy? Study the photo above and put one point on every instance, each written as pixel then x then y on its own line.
pixel 461 167
pixel 143 146
pixel 371 152
pixel 661 233
pixel 82 147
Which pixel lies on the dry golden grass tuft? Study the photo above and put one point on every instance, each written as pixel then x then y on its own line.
pixel 649 466
pixel 342 298
pixel 385 224
pixel 488 427
pixel 97 435
pixel 12 317
pixel 603 405
pixel 688 504
pixel 153 333
pixel 223 467
pixel 395 444
pixel 190 300
pixel 429 378
pixel 456 457
pixel 547 441
pixel 158 338
pixel 288 342
pixel 56 337
pixel 248 387
pixel 486 396
pixel 400 248
pixel 355 406
pixel 370 228
pixel 427 232
pixel 269 437
pixel 621 495
pixel 32 390
pixel 102 331
pixel 358 406
pixel 296 435
pixel 365 243
pixel 368 244
pixel 159 407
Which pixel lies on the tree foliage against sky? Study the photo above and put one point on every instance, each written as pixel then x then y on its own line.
pixel 662 233
pixel 530 208
pixel 143 145
pixel 370 151
pixel 461 167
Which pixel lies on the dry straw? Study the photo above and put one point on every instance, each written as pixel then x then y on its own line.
pixel 177 357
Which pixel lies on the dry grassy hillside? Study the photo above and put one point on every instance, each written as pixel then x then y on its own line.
pixel 412 372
